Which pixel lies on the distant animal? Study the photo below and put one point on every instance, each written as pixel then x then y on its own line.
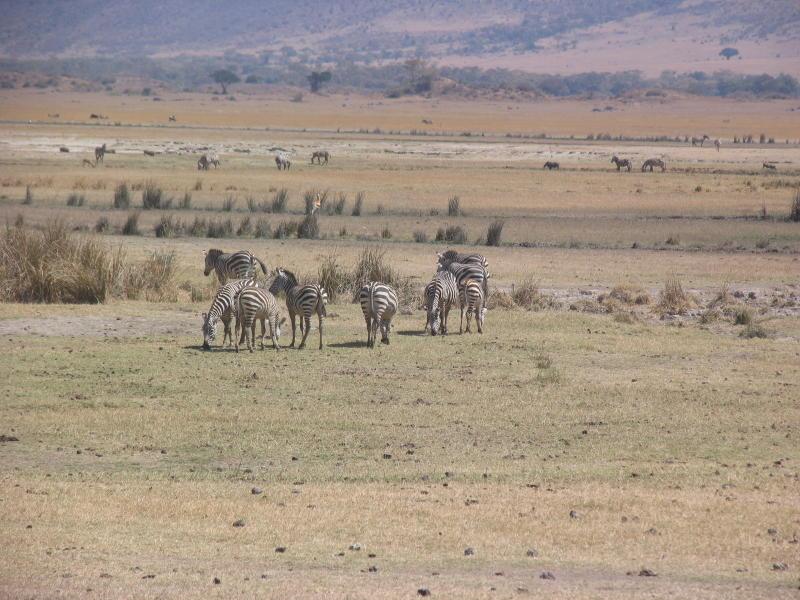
pixel 427 121
pixel 699 141
pixel 317 203
pixel 206 161
pixel 236 265
pixel 301 300
pixel 172 118
pixel 550 165
pixel 769 166
pixel 717 144
pixel 149 153
pixel 654 162
pixel 282 162
pixel 379 305
pixel 319 156
pixel 223 308
pixel 622 163
pixel 472 301
pixel 54 115
pixel 258 304
pixel 99 153
pixel 441 294
pixel 63 149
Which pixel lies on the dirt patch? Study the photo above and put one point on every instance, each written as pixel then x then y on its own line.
pixel 74 326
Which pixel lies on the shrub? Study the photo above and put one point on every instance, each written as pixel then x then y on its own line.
pixel 343 232
pixel 75 199
pixel 454 206
pixel 168 227
pixel 122 197
pixel 762 244
pixel 494 233
pixel 386 233
pixel 499 299
pixel 379 210
pixel 794 212
pixel 420 237
pixel 102 225
pixel 373 266
pixel 528 296
pixel 337 207
pixel 131 226
pixel 359 203
pixel 220 229
pixel 186 201
pixel 333 277
pixel 154 278
pixel 754 330
pixel 245 227
pixel 284 230
pixel 280 200
pixel 455 234
pixel 153 197
pixel 673 240
pixel 629 294
pixel 262 229
pixel 228 204
pixel 198 185
pixel 309 197
pixel 440 234
pixel 672 299
pixel 742 316
pixel 28 195
pixel 308 228
pixel 19 221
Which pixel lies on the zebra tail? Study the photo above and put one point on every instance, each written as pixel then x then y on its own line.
pixel 263 266
pixel 321 300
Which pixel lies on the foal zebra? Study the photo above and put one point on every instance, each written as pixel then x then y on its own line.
pixel 238 265
pixel 379 305
pixel 302 300
pixel 621 163
pixel 223 307
pixel 463 272
pixel 258 304
pixel 441 294
pixel 472 300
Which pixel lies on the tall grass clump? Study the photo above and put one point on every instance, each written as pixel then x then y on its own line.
pixel 284 230
pixel 308 228
pixel 262 229
pixel 309 198
pixel 452 233
pixel 168 227
pixel 494 233
pixel 280 201
pixel 373 266
pixel 673 300
pixel 337 207
pixel 527 295
pixel 186 201
pixel 131 226
pixel 220 229
pixel 794 212
pixel 333 277
pixel 198 228
pixel 153 279
pixel 75 199
pixel 245 227
pixel 228 204
pixel 28 200
pixel 122 196
pixel 454 206
pixel 153 197
pixel 102 225
pixel 420 237
pixel 358 205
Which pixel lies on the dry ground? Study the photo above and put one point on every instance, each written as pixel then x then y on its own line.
pixel 673 441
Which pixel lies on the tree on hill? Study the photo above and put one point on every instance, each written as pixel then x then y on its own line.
pixel 225 77
pixel 317 78
pixel 729 53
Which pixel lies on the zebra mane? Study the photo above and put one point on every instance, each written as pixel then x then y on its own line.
pixel 215 252
pixel 449 255
pixel 290 276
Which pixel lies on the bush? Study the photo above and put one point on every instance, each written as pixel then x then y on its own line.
pixel 308 228
pixel 284 230
pixel 794 212
pixel 372 266
pixel 379 210
pixel 186 202
pixel 75 199
pixel 220 229
pixel 245 227
pixel 28 195
pixel 455 234
pixel 102 225
pixel 122 197
pixel 494 233
pixel 153 197
pixel 672 299
pixel 198 228
pixel 359 203
pixel 333 277
pixel 528 296
pixel 280 200
pixel 629 294
pixel 420 237
pixel 131 226
pixel 673 240
pixel 454 206
pixel 742 316
pixel 386 233
pixel 228 204
pixel 309 198
pixel 262 229
pixel 168 227
pixel 198 185
pixel 754 330
pixel 154 278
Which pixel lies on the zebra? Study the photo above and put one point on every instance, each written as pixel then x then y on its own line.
pixel 319 156
pixel 302 300
pixel 172 119
pixel 223 308
pixel 258 304
pixel 379 305
pixel 768 166
pixel 550 165
pixel 451 256
pixel 282 161
pixel 237 265
pixel 654 162
pixel 699 141
pixel 472 300
pixel 621 162
pixel 207 160
pixel 99 153
pixel 463 272
pixel 441 294
pixel 717 144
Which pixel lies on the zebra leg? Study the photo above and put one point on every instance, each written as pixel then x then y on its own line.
pixel 369 331
pixel 263 332
pixel 469 318
pixel 294 327
pixel 307 320
pixel 461 326
pixel 384 326
pixel 319 317
pixel 273 332
pixel 479 319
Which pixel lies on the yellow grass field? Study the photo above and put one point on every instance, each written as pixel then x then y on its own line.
pixel 593 442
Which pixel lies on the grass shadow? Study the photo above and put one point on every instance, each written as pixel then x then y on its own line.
pixel 412 332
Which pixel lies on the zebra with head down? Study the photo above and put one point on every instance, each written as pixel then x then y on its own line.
pixel 282 162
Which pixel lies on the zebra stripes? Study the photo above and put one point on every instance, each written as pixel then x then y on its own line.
pixel 441 294
pixel 463 272
pixel 258 304
pixel 379 305
pixel 472 301
pixel 451 256
pixel 223 307
pixel 237 265
pixel 302 300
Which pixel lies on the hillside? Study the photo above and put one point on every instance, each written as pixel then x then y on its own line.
pixel 568 37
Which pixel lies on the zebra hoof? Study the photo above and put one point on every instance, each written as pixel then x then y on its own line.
pixel 386 341
pixel 206 347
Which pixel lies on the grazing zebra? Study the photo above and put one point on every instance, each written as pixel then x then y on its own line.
pixel 302 300
pixel 379 305
pixel 654 162
pixel 99 153
pixel 238 265
pixel 463 272
pixel 282 161
pixel 622 162
pixel 550 165
pixel 223 307
pixel 769 166
pixel 258 304
pixel 472 300
pixel 207 160
pixel 699 141
pixel 441 294
pixel 319 156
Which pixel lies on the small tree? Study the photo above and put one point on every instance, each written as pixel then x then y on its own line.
pixel 225 77
pixel 729 53
pixel 317 78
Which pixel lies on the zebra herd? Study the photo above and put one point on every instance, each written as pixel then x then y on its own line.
pixel 460 280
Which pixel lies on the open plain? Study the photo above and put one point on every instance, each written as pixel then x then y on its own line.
pixel 595 441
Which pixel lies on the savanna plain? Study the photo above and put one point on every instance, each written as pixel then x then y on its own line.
pixel 625 426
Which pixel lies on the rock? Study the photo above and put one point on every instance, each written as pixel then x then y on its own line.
pixel 238 523
pixel 469 552
pixel 423 592
pixel 532 553
pixel 547 575
pixel 647 573
pixel 217 581
pixel 256 491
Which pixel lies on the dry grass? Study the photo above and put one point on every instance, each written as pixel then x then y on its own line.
pixel 673 300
